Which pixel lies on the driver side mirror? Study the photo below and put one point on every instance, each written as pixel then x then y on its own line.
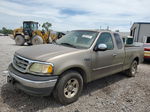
pixel 101 47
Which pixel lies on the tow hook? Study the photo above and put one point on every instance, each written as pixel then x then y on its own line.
pixel 10 80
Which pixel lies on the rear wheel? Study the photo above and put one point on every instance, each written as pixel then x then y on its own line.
pixel 37 40
pixel 131 72
pixel 68 88
pixel 19 39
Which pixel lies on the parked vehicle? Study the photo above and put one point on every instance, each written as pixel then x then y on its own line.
pixel 146 39
pixel 31 35
pixel 79 57
pixel 2 34
pixel 147 51
pixel 128 39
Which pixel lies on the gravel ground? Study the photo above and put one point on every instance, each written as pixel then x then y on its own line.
pixel 115 93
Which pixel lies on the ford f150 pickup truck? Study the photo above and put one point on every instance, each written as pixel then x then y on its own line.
pixel 62 68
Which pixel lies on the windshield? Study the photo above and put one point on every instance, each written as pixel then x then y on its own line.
pixel 78 39
pixel 129 41
pixel 34 26
pixel 28 26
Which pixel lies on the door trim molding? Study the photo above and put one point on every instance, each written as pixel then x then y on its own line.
pixel 107 66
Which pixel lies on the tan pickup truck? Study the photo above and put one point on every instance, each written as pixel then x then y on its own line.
pixel 64 67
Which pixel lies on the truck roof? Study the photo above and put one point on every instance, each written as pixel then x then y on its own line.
pixel 97 30
pixel 30 22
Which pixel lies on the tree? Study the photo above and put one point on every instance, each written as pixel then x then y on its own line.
pixel 6 31
pixel 47 26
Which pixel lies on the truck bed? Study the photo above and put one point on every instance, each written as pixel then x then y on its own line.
pixel 133 50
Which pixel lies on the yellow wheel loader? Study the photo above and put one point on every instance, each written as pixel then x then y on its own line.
pixel 31 35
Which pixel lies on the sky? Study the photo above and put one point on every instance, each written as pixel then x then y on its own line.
pixel 75 14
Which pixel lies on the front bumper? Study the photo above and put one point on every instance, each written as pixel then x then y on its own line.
pixel 35 85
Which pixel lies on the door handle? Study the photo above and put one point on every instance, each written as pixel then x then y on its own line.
pixel 114 54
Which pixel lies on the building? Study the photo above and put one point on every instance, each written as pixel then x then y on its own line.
pixel 140 31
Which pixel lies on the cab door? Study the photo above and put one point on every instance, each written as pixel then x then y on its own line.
pixel 102 61
pixel 119 53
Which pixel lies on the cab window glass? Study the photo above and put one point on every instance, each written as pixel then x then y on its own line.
pixel 106 38
pixel 118 41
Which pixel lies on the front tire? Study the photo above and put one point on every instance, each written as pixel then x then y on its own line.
pixel 68 88
pixel 131 72
pixel 19 40
pixel 37 40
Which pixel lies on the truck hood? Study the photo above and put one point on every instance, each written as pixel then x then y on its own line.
pixel 44 52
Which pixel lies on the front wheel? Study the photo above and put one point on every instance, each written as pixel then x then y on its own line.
pixel 37 40
pixel 68 88
pixel 131 72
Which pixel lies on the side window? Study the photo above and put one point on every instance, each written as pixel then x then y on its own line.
pixel 106 38
pixel 148 40
pixel 118 41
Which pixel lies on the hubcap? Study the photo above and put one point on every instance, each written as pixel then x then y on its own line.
pixel 71 88
pixel 134 68
pixel 36 41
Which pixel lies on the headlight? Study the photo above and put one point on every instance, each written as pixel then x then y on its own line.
pixel 41 68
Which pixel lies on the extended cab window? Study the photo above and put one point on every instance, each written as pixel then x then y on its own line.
pixel 106 38
pixel 118 41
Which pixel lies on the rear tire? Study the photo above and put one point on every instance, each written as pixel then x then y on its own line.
pixel 131 72
pixel 19 40
pixel 68 88
pixel 37 40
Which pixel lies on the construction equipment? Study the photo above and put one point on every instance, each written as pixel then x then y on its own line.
pixel 31 35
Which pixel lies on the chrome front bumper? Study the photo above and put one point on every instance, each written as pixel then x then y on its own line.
pixel 33 84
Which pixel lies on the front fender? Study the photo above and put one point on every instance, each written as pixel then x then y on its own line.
pixel 59 69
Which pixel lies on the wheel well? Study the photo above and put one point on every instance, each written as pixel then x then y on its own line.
pixel 80 70
pixel 137 59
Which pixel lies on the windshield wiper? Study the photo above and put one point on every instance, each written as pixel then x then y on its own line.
pixel 68 45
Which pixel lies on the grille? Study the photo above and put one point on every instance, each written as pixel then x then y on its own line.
pixel 20 63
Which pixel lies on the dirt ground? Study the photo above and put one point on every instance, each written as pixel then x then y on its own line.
pixel 116 93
